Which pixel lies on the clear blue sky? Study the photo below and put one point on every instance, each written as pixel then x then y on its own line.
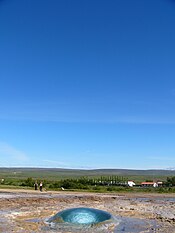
pixel 87 83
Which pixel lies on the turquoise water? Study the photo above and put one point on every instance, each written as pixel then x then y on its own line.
pixel 81 216
pixel 80 220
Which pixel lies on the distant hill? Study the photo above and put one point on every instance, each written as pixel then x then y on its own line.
pixel 128 172
pixel 60 173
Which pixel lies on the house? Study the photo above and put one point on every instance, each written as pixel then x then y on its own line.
pixel 131 183
pixel 149 184
pixel 160 183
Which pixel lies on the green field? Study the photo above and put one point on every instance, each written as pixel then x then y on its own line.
pixel 58 174
pixel 85 180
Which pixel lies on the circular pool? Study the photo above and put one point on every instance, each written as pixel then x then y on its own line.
pixel 85 216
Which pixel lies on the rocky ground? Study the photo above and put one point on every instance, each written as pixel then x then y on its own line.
pixel 26 211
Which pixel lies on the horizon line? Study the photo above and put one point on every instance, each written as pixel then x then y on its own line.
pixel 86 169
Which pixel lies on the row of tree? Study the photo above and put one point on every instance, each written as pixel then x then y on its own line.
pixel 170 181
pixel 84 182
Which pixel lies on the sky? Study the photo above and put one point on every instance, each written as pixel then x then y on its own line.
pixel 87 84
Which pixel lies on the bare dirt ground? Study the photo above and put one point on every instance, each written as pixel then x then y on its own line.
pixel 26 211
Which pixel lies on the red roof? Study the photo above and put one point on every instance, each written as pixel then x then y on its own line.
pixel 148 183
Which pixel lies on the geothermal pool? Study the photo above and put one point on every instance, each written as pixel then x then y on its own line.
pixel 85 216
pixel 80 220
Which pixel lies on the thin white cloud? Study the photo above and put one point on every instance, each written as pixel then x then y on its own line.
pixel 91 119
pixel 70 113
pixel 160 158
pixel 12 153
pixel 171 168
pixel 55 162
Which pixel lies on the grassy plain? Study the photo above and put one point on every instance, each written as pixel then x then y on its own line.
pixel 53 178
pixel 58 174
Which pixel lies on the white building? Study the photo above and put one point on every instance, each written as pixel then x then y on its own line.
pixel 131 183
